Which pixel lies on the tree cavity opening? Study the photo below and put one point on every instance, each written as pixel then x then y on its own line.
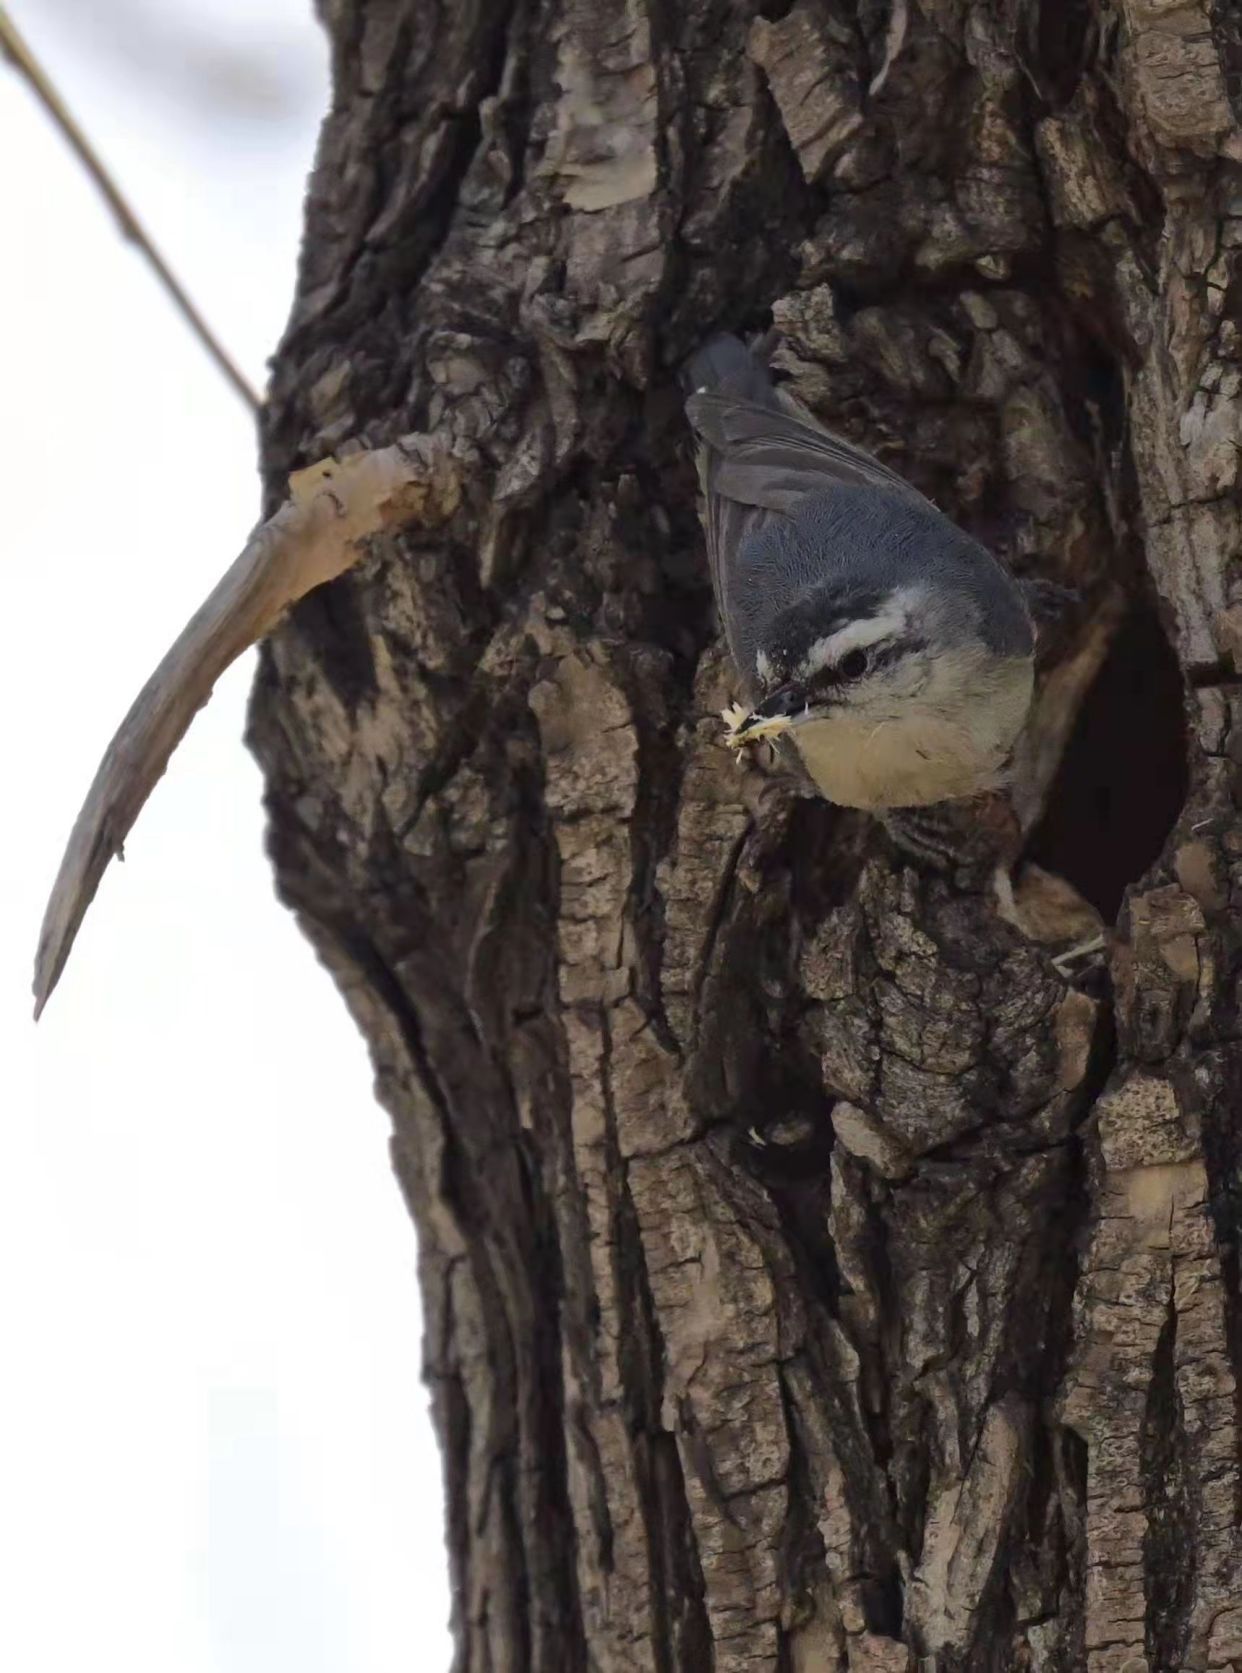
pixel 1123 780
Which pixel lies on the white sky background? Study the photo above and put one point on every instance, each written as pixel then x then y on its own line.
pixel 214 1449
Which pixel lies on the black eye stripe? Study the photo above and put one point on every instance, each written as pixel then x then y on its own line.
pixel 875 657
pixel 838 673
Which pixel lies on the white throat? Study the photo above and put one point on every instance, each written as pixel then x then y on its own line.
pixel 923 751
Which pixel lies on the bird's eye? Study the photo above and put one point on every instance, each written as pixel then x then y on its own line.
pixel 853 665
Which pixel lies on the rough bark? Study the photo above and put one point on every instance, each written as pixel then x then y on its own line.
pixel 815 1276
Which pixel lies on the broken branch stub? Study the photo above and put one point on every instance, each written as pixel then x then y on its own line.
pixel 321 530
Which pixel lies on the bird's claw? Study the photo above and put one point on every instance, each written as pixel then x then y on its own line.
pixel 1062 961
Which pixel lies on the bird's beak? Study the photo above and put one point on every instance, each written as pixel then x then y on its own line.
pixel 776 714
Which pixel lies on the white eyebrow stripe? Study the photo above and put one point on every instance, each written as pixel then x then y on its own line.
pixel 854 636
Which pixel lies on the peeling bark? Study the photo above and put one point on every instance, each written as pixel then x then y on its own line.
pixel 816 1277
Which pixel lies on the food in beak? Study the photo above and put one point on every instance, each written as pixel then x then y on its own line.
pixel 745 726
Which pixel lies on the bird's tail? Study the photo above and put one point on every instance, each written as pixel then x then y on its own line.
pixel 725 366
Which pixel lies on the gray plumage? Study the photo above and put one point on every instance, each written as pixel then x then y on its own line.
pixel 810 537
pixel 804 512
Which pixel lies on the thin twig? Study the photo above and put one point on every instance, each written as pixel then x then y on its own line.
pixel 24 61
pixel 322 530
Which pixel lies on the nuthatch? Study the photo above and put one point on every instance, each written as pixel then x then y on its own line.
pixel 892 648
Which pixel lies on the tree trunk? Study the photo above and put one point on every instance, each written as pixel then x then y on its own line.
pixel 815 1276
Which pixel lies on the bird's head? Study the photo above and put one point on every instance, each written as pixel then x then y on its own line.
pixel 872 629
pixel 861 651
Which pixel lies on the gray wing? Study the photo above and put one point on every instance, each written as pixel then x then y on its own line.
pixel 758 459
pixel 772 454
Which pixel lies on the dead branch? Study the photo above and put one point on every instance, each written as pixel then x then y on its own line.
pixel 322 530
pixel 15 49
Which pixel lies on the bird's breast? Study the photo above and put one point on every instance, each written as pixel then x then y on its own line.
pixel 917 757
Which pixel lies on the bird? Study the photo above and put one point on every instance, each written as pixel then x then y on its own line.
pixel 892 649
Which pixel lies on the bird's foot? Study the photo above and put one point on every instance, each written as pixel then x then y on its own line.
pixel 1047 909
pixel 1062 962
